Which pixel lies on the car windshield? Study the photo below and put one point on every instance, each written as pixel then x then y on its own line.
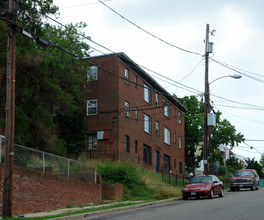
pixel 244 173
pixel 201 179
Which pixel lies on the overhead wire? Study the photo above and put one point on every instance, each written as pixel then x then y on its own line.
pixel 147 32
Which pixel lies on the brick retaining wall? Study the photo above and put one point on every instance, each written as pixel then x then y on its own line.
pixel 37 191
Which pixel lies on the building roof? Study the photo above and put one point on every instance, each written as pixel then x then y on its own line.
pixel 135 67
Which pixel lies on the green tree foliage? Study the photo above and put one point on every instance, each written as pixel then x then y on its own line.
pixel 193 131
pixel 224 133
pixel 49 95
pixel 232 164
pixel 262 161
pixel 253 164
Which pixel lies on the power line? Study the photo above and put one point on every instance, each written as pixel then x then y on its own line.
pixel 80 5
pixel 147 32
pixel 240 72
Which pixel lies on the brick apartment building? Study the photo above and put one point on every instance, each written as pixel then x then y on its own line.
pixel 130 116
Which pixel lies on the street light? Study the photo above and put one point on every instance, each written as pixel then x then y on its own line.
pixel 235 76
pixel 207 128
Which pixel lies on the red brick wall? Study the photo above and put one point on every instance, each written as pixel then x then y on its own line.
pixel 37 191
pixel 112 92
pixel 112 191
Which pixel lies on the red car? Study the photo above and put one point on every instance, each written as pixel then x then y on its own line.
pixel 204 185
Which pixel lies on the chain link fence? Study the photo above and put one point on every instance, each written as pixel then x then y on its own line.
pixel 49 163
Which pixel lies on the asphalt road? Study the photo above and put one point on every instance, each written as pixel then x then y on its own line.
pixel 242 205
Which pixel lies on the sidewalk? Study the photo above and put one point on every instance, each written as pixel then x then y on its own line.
pixel 96 213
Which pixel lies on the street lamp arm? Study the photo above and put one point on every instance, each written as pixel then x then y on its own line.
pixel 232 76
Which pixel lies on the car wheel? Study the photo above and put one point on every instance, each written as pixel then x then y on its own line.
pixel 221 193
pixel 232 189
pixel 211 196
pixel 257 188
pixel 253 188
pixel 238 189
pixel 184 197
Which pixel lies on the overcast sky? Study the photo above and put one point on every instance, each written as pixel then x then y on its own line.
pixel 238 44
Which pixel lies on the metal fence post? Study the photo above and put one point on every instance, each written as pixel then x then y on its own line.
pixel 0 148
pixel 176 179
pixel 43 160
pixel 68 167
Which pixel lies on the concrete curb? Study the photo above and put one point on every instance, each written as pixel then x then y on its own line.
pixel 115 210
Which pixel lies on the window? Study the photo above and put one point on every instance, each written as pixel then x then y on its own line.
pixel 147 123
pixel 175 164
pixel 92 107
pixel 127 112
pixel 146 93
pixel 157 99
pixel 174 138
pixel 136 81
pixel 166 108
pixel 180 167
pixel 166 136
pixel 127 143
pixel 147 154
pixel 136 146
pixel 157 128
pixel 167 163
pixel 92 73
pixel 180 118
pixel 92 142
pixel 126 76
pixel 180 142
pixel 136 113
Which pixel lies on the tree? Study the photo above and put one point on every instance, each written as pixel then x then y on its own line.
pixel 222 134
pixel 193 132
pixel 253 164
pixel 48 81
pixel 262 161
pixel 233 164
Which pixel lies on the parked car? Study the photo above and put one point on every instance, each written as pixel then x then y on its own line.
pixel 248 178
pixel 203 185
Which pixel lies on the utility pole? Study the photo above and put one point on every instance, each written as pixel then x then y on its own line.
pixel 10 112
pixel 206 105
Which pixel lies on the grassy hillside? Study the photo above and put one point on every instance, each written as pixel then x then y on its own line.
pixel 138 184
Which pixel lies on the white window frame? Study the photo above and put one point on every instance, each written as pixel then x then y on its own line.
pixel 180 142
pixel 92 104
pixel 166 108
pixel 127 109
pixel 92 73
pixel 180 120
pixel 136 113
pixel 166 138
pixel 157 99
pixel 126 76
pixel 157 128
pixel 146 90
pixel 147 123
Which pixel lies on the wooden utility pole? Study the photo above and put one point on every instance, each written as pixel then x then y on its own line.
pixel 10 112
pixel 206 105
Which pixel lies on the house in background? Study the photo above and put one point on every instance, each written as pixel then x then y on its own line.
pixel 129 116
